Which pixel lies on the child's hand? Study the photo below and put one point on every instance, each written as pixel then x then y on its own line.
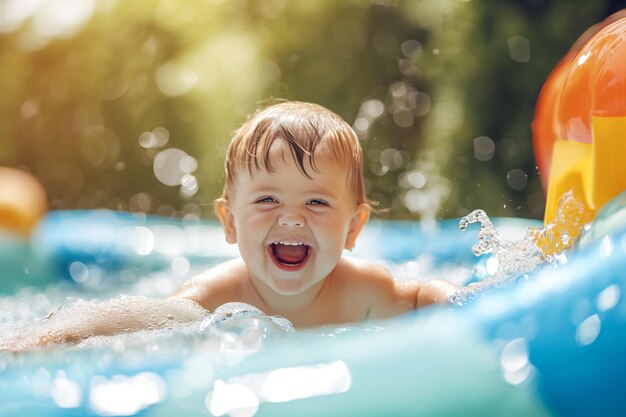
pixel 435 292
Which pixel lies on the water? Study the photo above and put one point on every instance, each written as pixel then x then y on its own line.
pixel 196 350
pixel 514 259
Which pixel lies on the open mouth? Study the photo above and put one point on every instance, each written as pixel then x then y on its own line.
pixel 289 256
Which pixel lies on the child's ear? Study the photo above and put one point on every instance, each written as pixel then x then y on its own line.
pixel 224 212
pixel 361 216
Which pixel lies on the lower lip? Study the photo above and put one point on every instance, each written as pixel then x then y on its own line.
pixel 286 267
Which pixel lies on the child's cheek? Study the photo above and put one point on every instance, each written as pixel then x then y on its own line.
pixel 332 233
pixel 257 219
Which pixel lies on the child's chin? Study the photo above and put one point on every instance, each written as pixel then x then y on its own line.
pixel 288 282
pixel 288 286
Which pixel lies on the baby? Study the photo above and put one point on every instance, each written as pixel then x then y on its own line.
pixel 293 200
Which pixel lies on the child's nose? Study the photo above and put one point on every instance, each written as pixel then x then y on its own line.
pixel 291 220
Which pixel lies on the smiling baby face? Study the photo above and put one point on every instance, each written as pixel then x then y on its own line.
pixel 291 229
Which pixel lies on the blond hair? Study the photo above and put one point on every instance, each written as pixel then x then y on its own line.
pixel 310 130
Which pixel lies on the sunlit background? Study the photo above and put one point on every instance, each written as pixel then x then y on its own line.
pixel 130 105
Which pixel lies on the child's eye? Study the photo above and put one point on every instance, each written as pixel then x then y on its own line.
pixel 317 202
pixel 266 200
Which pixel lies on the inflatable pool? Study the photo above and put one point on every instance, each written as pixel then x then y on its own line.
pixel 550 345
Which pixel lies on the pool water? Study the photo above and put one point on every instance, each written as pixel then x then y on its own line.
pixel 548 343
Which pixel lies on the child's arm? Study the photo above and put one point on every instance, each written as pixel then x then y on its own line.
pixel 433 292
pixel 389 297
pixel 126 314
pixel 123 314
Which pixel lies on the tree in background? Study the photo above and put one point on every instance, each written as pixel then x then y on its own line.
pixel 130 105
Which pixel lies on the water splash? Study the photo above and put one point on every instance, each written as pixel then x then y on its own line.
pixel 572 215
pixel 516 258
pixel 239 316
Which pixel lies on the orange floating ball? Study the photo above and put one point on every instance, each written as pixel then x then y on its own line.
pixel 22 201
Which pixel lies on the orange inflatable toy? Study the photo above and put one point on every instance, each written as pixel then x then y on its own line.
pixel 22 201
pixel 580 121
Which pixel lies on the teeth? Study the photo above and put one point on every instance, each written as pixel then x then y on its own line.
pixel 290 243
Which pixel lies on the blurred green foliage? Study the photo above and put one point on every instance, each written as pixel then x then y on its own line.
pixel 441 93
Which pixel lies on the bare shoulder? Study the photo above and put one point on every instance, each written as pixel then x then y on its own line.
pixel 385 295
pixel 216 286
